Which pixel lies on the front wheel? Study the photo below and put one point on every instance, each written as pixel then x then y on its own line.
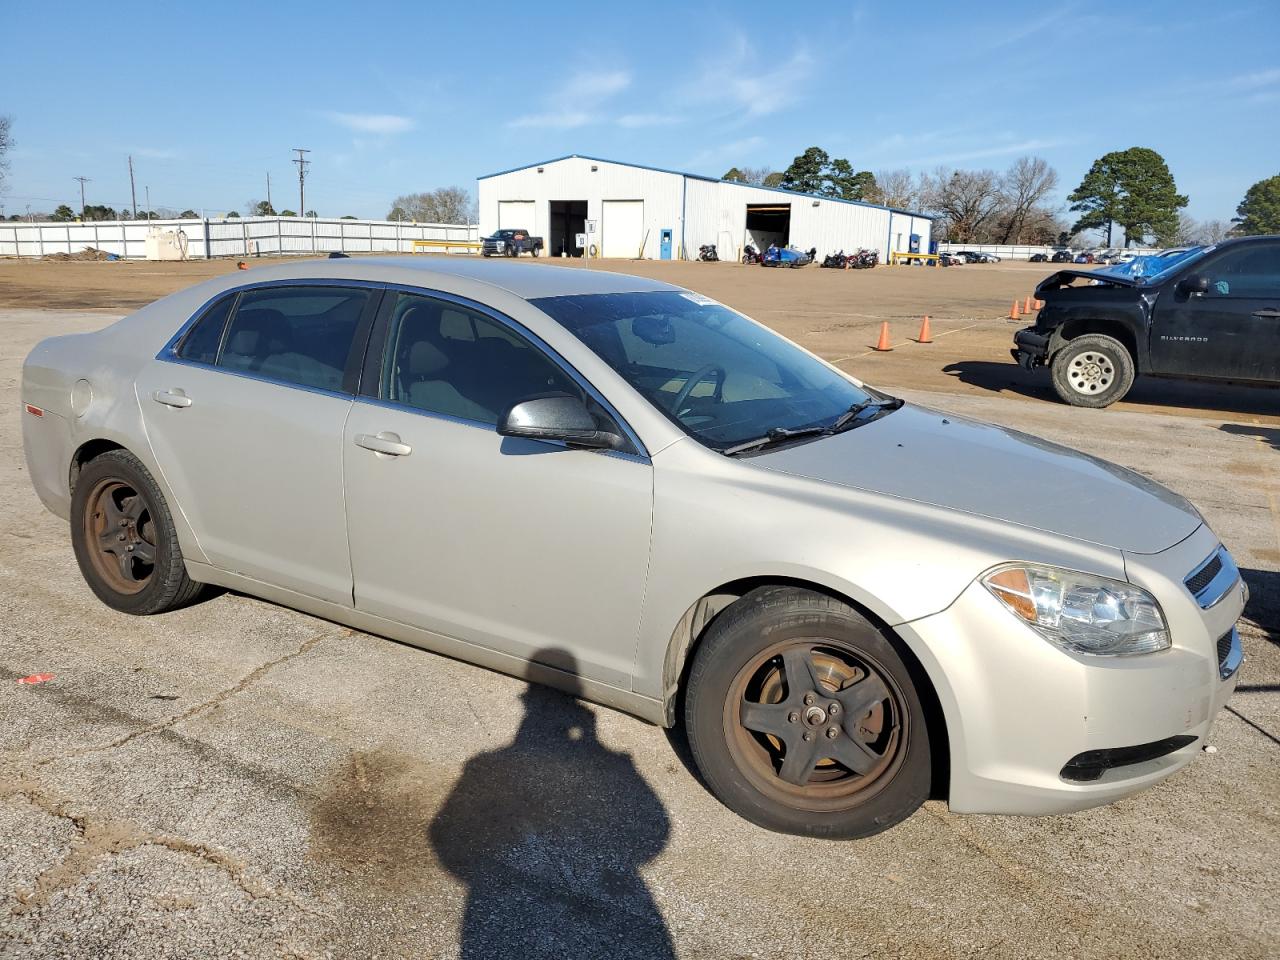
pixel 124 538
pixel 803 717
pixel 534 251
pixel 1093 370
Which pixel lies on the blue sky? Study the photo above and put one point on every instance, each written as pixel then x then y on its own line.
pixel 392 98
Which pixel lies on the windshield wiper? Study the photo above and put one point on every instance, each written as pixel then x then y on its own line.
pixel 846 419
pixel 775 436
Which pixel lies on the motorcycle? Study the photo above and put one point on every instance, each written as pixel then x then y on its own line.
pixel 708 253
pixel 750 254
pixel 836 261
pixel 865 259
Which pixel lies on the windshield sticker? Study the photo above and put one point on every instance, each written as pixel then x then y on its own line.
pixel 700 300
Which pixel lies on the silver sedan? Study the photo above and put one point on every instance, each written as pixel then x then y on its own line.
pixel 627 490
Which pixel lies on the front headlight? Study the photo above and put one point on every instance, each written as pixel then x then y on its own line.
pixel 1080 612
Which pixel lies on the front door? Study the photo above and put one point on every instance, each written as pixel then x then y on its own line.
pixel 1232 330
pixel 666 244
pixel 245 417
pixel 517 545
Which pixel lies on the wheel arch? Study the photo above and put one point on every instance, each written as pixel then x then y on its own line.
pixel 1079 326
pixel 693 626
pixel 89 450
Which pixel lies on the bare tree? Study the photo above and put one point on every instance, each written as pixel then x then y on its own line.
pixel 6 141
pixel 1024 186
pixel 897 188
pixel 445 205
pixel 1213 231
pixel 755 175
pixel 967 199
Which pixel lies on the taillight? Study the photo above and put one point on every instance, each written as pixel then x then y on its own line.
pixel 34 411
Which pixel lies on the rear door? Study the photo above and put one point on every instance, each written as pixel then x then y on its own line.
pixel 520 546
pixel 623 228
pixel 1232 330
pixel 245 413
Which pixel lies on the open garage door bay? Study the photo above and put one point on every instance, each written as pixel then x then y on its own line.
pixel 515 215
pixel 623 228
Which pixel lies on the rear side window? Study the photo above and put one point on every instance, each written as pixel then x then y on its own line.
pixel 298 335
pixel 201 342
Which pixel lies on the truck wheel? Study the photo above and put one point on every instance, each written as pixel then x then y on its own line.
pixel 513 250
pixel 1092 371
pixel 534 251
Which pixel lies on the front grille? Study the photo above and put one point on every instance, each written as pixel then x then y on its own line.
pixel 1204 576
pixel 1224 648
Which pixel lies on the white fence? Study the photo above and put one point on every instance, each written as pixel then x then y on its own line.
pixel 1022 251
pixel 235 237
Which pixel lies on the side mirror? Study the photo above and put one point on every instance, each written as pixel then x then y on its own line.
pixel 1194 283
pixel 566 419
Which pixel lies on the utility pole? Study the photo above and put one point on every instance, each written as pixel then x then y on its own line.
pixel 148 189
pixel 269 206
pixel 83 181
pixel 133 193
pixel 302 163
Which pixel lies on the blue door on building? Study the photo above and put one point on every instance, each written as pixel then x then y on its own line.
pixel 666 244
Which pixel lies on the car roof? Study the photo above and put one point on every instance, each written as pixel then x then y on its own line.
pixel 524 279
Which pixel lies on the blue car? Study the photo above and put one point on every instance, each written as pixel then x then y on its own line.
pixel 777 256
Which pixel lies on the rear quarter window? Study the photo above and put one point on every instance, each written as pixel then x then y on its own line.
pixel 201 343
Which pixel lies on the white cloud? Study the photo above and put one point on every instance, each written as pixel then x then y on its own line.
pixel 382 124
pixel 733 152
pixel 735 76
pixel 576 103
pixel 635 120
pixel 1251 81
pixel 980 153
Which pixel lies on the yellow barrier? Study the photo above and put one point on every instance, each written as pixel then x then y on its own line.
pixel 900 257
pixel 429 244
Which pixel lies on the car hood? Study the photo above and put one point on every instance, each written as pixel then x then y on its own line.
pixel 1062 278
pixel 959 464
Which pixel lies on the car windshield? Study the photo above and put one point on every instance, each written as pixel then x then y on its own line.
pixel 722 378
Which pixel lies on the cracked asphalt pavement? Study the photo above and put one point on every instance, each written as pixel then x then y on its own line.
pixel 240 780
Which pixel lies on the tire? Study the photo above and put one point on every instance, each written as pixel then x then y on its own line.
pixel 139 570
pixel 512 250
pixel 485 254
pixel 740 676
pixel 1093 370
pixel 534 251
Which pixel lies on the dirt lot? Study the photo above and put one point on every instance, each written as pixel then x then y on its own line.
pixel 238 779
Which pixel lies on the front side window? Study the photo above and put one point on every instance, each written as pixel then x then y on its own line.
pixel 722 378
pixel 1250 272
pixel 299 335
pixel 444 358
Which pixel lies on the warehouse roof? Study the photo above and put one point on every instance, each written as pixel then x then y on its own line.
pixel 700 176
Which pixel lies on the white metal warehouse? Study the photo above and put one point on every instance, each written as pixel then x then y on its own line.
pixel 633 211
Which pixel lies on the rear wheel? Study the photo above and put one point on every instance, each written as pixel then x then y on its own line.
pixel 124 538
pixel 1093 370
pixel 804 719
pixel 534 251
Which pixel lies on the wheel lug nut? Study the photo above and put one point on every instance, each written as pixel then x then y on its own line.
pixel 793 717
pixel 808 699
pixel 808 736
pixel 832 733
pixel 833 709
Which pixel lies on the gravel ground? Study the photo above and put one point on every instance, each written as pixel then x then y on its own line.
pixel 240 780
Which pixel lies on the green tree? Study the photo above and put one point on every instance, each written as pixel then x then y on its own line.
pixel 347 216
pixel 1133 188
pixel 312 214
pixel 188 215
pixel 260 208
pixel 815 172
pixel 63 214
pixel 96 211
pixel 231 214
pixel 773 179
pixel 734 174
pixel 1259 211
pixel 288 213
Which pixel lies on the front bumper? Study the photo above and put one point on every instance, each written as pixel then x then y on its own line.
pixel 1020 712
pixel 1030 347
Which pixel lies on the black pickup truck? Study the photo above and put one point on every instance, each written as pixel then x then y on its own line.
pixel 1208 313
pixel 510 243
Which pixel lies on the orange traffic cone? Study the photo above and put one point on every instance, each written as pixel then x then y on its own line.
pixel 1026 306
pixel 1039 304
pixel 924 331
pixel 1013 312
pixel 241 265
pixel 883 345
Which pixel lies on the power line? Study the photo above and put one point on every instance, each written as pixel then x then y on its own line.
pixel 302 163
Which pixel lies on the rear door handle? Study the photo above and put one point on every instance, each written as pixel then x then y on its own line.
pixel 1267 314
pixel 385 442
pixel 172 398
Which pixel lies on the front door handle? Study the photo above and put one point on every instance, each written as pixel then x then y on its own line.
pixel 1267 314
pixel 172 398
pixel 385 442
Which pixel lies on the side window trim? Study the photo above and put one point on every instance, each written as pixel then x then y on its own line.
pixel 360 344
pixel 371 378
